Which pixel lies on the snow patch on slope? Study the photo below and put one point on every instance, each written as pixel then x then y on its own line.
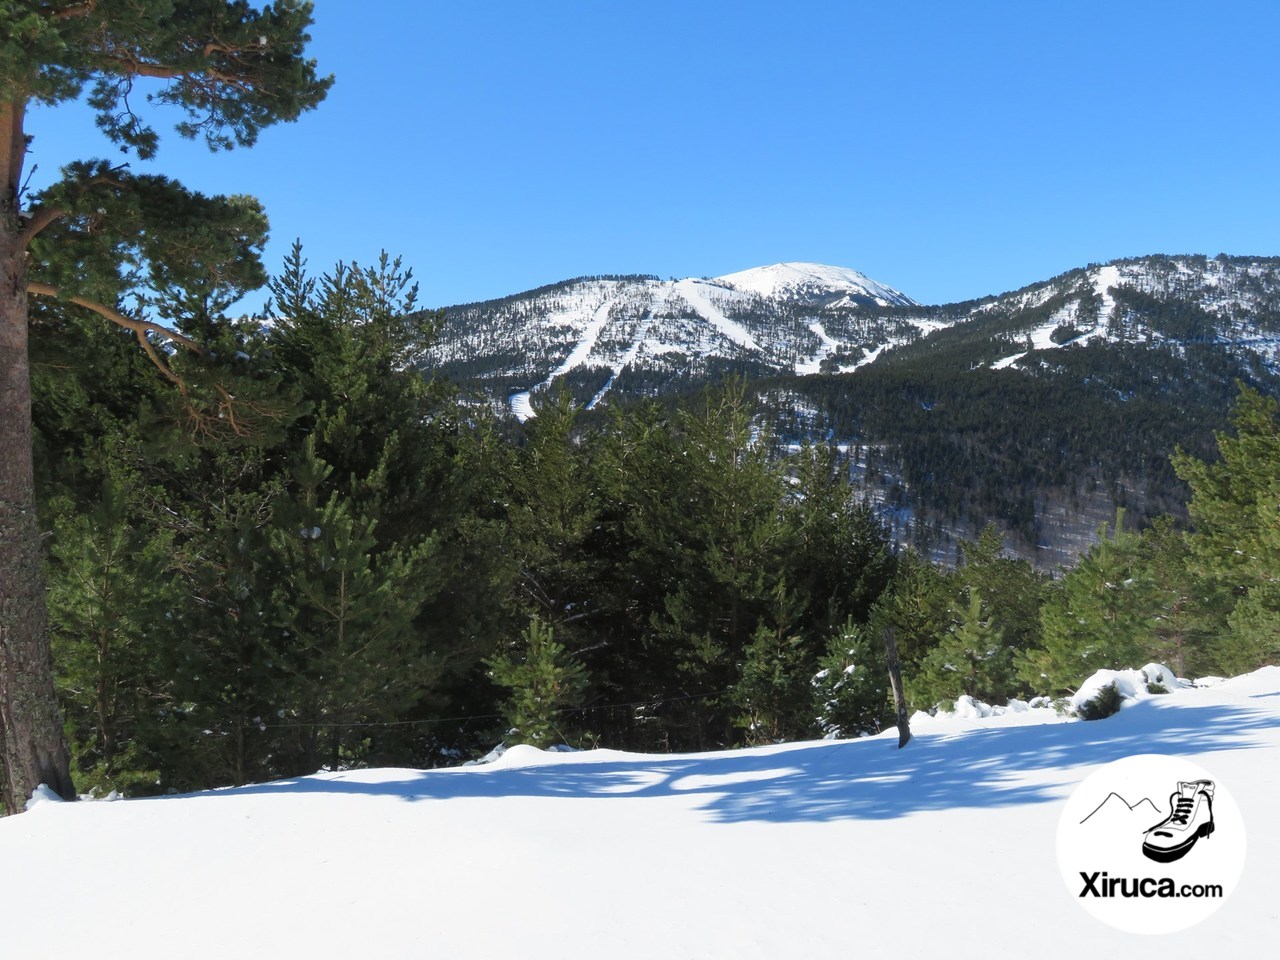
pixel 521 406
pixel 1102 279
pixel 657 304
pixel 590 334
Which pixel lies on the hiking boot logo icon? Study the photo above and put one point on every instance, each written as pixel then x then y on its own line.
pixel 1190 818
pixel 1126 855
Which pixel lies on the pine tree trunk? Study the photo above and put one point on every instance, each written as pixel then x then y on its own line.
pixel 32 749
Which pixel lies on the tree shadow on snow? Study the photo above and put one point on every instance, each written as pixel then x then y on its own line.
pixel 861 779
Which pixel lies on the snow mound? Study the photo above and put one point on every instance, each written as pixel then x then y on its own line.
pixel 1133 685
pixel 966 709
pixel 42 795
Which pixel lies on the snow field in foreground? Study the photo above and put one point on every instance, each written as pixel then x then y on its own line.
pixel 812 850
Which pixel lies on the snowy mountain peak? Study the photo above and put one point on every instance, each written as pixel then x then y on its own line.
pixel 804 280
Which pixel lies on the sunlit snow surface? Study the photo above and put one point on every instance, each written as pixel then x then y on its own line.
pixel 811 850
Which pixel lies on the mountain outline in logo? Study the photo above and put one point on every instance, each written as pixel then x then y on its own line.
pixel 1129 807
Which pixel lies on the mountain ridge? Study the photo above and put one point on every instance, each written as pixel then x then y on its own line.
pixel 641 335
pixel 604 325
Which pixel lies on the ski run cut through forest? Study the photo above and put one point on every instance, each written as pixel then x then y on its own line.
pixel 801 850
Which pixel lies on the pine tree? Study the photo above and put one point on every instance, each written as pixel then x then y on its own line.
pixel 111 594
pixel 355 655
pixel 1235 543
pixel 772 691
pixel 1102 614
pixel 555 515
pixel 840 555
pixel 851 688
pixel 916 606
pixel 709 541
pixel 224 661
pixel 544 680
pixel 232 70
pixel 1186 611
pixel 972 659
pixel 422 481
pixel 1011 588
pixel 351 340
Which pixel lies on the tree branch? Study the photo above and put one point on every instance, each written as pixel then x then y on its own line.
pixel 73 11
pixel 155 359
pixel 43 215
pixel 227 413
pixel 133 66
pixel 40 218
pixel 140 329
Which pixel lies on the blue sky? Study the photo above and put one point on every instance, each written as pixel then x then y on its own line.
pixel 947 149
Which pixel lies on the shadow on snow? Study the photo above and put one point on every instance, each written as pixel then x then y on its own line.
pixel 863 779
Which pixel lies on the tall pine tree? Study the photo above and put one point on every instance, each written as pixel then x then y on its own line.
pixel 231 70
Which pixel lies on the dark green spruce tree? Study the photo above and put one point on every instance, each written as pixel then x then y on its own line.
pixel 851 687
pixel 353 654
pixel 709 539
pixel 970 659
pixel 112 591
pixel 416 488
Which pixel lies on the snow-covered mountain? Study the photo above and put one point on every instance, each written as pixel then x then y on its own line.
pixel 814 282
pixel 1041 410
pixel 604 336
pixel 639 334
pixel 1230 302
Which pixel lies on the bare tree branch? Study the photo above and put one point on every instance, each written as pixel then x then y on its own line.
pixel 40 218
pixel 154 357
pixel 133 66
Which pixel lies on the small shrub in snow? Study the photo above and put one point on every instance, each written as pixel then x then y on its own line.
pixel 851 690
pixel 1103 704
pixel 544 679
pixel 1160 679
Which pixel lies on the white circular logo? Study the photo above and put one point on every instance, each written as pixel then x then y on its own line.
pixel 1151 844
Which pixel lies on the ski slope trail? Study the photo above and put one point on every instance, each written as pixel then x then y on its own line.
pixel 694 293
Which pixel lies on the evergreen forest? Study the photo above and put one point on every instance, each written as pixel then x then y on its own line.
pixel 370 568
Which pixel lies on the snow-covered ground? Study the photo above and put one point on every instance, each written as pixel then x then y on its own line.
pixel 811 850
